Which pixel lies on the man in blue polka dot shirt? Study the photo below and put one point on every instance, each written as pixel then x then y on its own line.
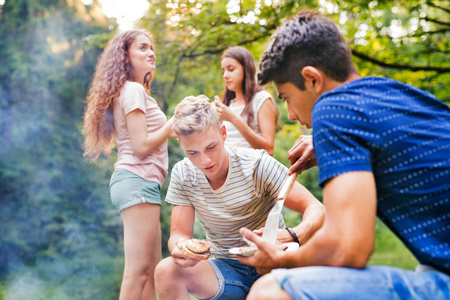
pixel 383 149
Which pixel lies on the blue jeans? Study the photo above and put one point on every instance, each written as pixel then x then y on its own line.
pixel 235 279
pixel 373 282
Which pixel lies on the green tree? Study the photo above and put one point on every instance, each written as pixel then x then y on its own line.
pixel 60 234
pixel 407 40
pixel 55 215
pixel 404 40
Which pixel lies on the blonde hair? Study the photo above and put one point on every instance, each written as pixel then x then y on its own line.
pixel 195 114
pixel 112 71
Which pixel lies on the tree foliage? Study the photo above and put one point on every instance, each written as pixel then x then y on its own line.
pixel 406 40
pixel 58 223
pixel 52 215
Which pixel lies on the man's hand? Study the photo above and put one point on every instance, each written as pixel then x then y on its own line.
pixel 266 257
pixel 301 155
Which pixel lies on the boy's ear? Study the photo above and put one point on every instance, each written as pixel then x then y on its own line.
pixel 224 132
pixel 313 79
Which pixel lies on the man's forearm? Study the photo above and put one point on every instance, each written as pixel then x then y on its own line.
pixel 326 248
pixel 317 251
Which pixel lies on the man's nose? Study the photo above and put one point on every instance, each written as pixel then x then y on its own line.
pixel 291 116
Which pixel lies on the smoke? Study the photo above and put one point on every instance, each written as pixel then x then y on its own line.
pixel 27 286
pixel 60 237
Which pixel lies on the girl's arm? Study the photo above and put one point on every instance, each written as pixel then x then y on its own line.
pixel 266 119
pixel 142 143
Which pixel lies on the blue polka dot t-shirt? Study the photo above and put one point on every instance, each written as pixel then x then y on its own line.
pixel 402 135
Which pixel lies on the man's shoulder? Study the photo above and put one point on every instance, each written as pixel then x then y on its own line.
pixel 352 95
pixel 364 86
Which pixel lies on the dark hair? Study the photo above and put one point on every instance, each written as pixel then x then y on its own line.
pixel 249 84
pixel 307 39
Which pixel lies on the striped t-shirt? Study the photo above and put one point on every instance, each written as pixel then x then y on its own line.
pixel 402 135
pixel 244 200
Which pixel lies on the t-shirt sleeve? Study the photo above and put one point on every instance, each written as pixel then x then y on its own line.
pixel 342 140
pixel 269 175
pixel 177 193
pixel 133 98
pixel 259 100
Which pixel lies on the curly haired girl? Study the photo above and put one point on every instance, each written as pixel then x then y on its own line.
pixel 120 108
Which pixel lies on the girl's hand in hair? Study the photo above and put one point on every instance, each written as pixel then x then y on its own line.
pixel 224 113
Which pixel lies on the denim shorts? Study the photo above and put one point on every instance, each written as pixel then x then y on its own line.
pixel 128 189
pixel 235 279
pixel 373 282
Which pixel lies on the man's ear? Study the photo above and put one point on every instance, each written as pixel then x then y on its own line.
pixel 313 79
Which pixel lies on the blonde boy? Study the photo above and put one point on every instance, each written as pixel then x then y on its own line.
pixel 226 189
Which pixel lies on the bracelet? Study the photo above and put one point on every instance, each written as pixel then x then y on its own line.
pixel 292 233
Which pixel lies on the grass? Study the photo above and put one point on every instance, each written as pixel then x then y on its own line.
pixel 389 250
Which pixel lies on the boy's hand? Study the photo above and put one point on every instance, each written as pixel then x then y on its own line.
pixel 181 259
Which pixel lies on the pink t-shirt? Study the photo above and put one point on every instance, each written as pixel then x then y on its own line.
pixel 153 167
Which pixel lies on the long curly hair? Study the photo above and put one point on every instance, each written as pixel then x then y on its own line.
pixel 249 84
pixel 112 71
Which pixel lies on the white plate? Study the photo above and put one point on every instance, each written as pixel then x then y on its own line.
pixel 291 246
pixel 238 251
pixel 245 252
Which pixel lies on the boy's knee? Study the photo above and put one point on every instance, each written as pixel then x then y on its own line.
pixel 164 268
pixel 257 290
pixel 267 287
